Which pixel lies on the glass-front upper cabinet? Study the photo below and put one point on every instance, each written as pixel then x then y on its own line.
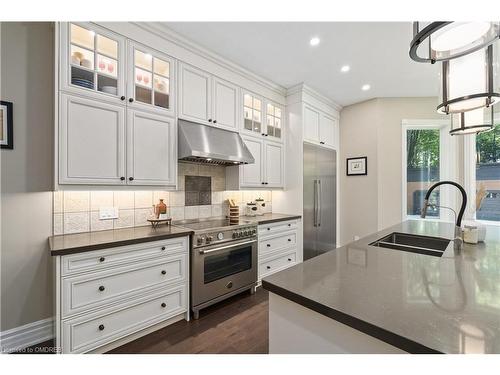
pixel 252 114
pixel 150 83
pixel 274 120
pixel 92 61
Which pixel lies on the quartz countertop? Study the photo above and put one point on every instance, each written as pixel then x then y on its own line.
pixel 270 218
pixel 89 241
pixel 419 303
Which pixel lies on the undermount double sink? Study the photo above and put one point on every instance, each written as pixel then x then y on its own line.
pixel 413 243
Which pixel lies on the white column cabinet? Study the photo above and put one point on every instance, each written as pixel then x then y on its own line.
pixel 319 127
pixel 91 142
pixel 151 149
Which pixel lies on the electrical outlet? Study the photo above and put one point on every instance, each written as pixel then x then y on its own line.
pixel 108 213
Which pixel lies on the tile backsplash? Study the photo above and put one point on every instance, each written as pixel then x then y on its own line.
pixel 78 211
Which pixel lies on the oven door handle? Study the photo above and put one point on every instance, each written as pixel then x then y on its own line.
pixel 226 247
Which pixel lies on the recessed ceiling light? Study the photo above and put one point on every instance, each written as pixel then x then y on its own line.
pixel 345 68
pixel 314 41
pixel 365 87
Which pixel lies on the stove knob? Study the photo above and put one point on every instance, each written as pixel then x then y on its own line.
pixel 245 233
pixel 235 235
pixel 209 239
pixel 254 231
pixel 200 241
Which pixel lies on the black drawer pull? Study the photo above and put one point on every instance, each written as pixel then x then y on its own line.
pixel 101 327
pixel 289 240
pixel 268 267
pixel 268 228
pixel 163 247
pixel 101 288
pixel 268 245
pixel 163 304
pixel 289 225
pixel 163 272
pixel 289 259
pixel 102 259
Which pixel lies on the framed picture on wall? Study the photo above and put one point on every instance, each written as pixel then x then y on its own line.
pixel 6 125
pixel 357 166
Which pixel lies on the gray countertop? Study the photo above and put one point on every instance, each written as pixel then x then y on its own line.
pixel 89 241
pixel 419 303
pixel 270 218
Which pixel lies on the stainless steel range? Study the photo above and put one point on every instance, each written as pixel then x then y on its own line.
pixel 223 260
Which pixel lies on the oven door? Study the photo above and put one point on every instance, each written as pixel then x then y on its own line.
pixel 221 269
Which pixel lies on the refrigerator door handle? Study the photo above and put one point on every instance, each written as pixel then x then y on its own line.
pixel 315 207
pixel 319 203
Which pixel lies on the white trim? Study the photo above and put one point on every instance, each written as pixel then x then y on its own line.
pixel 447 170
pixel 303 88
pixel 27 335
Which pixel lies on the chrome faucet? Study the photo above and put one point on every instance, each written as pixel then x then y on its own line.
pixel 458 225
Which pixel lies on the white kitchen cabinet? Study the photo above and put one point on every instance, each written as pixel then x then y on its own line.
pixel 151 149
pixel 92 62
pixel 320 127
pixel 274 160
pixel 194 94
pixel 150 82
pixel 266 172
pixel 225 104
pixel 91 142
pixel 207 99
pixel 262 117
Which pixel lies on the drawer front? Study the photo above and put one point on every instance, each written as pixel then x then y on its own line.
pixel 276 243
pixel 92 331
pixel 277 227
pixel 101 259
pixel 89 291
pixel 276 264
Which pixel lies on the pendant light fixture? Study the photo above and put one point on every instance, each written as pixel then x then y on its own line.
pixel 442 41
pixel 469 82
pixel 475 121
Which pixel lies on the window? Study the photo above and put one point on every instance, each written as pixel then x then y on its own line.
pixel 428 157
pixel 487 175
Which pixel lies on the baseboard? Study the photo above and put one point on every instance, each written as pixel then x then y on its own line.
pixel 24 336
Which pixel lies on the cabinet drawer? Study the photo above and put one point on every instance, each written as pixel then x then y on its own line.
pixel 101 259
pixel 92 331
pixel 88 291
pixel 278 242
pixel 273 265
pixel 280 226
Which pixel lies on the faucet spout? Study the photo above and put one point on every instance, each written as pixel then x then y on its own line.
pixel 462 207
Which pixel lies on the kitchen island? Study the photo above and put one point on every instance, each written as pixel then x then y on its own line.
pixel 365 299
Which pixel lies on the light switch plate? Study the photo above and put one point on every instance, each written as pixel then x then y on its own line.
pixel 108 213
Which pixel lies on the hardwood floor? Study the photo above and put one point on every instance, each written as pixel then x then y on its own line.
pixel 238 325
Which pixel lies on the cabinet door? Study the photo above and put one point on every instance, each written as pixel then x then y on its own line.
pixel 195 94
pixel 311 124
pixel 151 80
pixel 151 149
pixel 274 164
pixel 274 120
pixel 327 130
pixel 226 104
pixel 92 61
pixel 252 114
pixel 252 175
pixel 91 142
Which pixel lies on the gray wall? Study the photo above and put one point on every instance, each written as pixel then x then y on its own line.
pixel 373 128
pixel 27 80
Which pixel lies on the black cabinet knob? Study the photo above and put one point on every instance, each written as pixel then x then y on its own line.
pixel 266 183
pixel 289 240
pixel 268 228
pixel 163 272
pixel 101 327
pixel 163 247
pixel 267 135
pixel 215 121
pixel 102 259
pixel 268 267
pixel 289 225
pixel 321 143
pixel 131 179
pixel 263 183
pixel 122 178
pixel 289 259
pixel 209 120
pixel 131 100
pixel 268 245
pixel 263 134
pixel 101 288
pixel 122 97
pixel 163 304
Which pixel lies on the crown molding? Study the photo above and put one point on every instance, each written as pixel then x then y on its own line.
pixel 303 88
pixel 163 31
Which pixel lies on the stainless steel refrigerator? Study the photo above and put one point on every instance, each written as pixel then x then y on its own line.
pixel 320 209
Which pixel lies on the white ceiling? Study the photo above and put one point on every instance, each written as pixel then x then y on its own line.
pixel 377 53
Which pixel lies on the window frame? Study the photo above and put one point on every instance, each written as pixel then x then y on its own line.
pixel 447 167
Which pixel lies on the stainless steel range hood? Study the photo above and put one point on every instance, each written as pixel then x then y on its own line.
pixel 206 144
